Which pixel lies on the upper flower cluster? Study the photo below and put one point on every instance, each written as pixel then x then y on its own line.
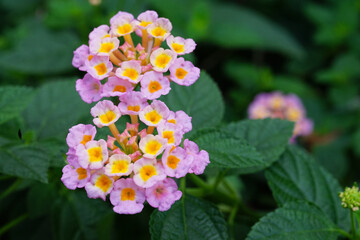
pixel 139 163
pixel 112 55
pixel 278 105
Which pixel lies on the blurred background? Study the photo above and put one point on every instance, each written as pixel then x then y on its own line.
pixel 310 48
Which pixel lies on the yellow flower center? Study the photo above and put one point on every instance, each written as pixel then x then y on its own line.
pixel 147 172
pixel 131 73
pixel 179 48
pixel 120 166
pixel 106 36
pixel 172 121
pixel 169 135
pixel 107 117
pixel 293 114
pixel 154 117
pixel 172 161
pixel 133 108
pixel 95 154
pixel 162 60
pixel 82 173
pixel 180 73
pixel 152 147
pixel 103 182
pixel 124 29
pixel 277 102
pixel 86 139
pixel 144 23
pixel 101 69
pixel 158 32
pixel 119 88
pixel 154 86
pixel 90 57
pixel 106 47
pixel 127 194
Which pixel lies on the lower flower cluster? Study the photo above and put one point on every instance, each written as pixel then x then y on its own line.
pixel 136 165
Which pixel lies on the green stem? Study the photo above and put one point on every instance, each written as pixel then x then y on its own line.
pixel 5 177
pixel 345 234
pixel 224 197
pixel 231 220
pixel 197 192
pixel 10 189
pixel 219 177
pixel 353 227
pixel 13 223
pixel 183 184
pixel 199 182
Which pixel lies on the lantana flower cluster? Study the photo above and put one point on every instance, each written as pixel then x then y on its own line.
pixel 278 105
pixel 112 55
pixel 139 163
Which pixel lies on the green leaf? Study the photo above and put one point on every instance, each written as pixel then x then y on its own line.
pixel 227 151
pixel 296 176
pixel 25 161
pixel 55 108
pixel 294 221
pixel 202 101
pixel 41 52
pixel 268 136
pixel 234 26
pixel 190 218
pixel 13 100
pixel 89 212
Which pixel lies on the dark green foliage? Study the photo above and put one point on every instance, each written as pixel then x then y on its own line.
pixel 189 218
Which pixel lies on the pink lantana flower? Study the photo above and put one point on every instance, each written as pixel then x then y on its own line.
pixel 105 113
pixel 130 70
pixel 116 87
pixel 80 134
pixel 148 172
pixel 201 158
pixel 180 45
pixel 99 67
pixel 152 145
pixel 127 197
pixel 162 59
pixel 154 84
pixel 89 88
pixel 183 72
pixel 181 120
pixel 119 165
pixel 93 155
pixel 163 194
pixel 104 46
pixel 160 29
pixel 75 176
pixel 176 162
pixel 132 103
pixel 99 185
pixel 171 132
pixel 81 54
pixel 154 114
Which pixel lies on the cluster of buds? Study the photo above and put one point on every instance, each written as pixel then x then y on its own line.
pixel 278 105
pixel 138 164
pixel 350 198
